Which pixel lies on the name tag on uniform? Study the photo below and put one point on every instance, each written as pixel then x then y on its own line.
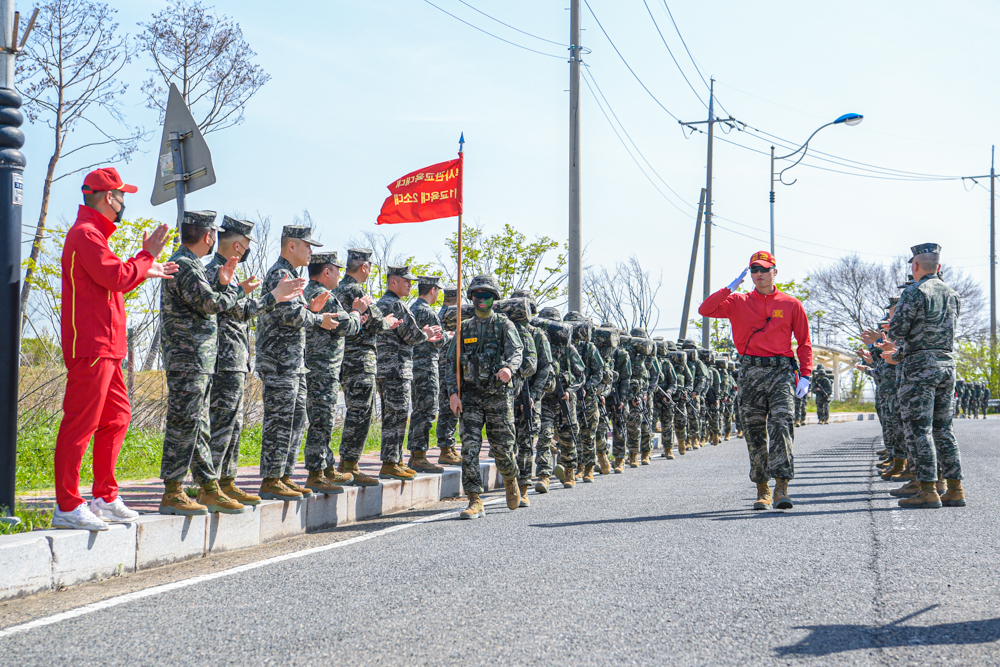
pixel 469 341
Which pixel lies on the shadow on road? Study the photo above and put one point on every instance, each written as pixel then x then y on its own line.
pixel 828 639
pixel 718 515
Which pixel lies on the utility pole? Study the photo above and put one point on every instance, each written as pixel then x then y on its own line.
pixel 575 249
pixel 686 309
pixel 712 120
pixel 993 257
pixel 11 200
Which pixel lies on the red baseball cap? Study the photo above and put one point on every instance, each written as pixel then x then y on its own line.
pixel 762 258
pixel 101 180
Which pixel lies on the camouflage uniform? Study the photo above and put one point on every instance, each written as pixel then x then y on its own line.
pixel 232 364
pixel 713 395
pixel 606 348
pixel 588 409
pixel 324 354
pixel 188 308
pixel 823 389
pixel 986 400
pixel 924 326
pixel 280 364
pixel 571 371
pixel 768 413
pixel 358 369
pixel 639 430
pixel 685 383
pixel 540 383
pixel 426 381
pixel 623 367
pixel 488 344
pixel 447 421
pixel 664 396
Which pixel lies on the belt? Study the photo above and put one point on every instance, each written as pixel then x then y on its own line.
pixel 768 361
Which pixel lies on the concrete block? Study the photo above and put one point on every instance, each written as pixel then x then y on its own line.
pixel 425 489
pixel 161 539
pixel 233 531
pixel 368 502
pixel 451 483
pixel 25 564
pixel 331 511
pixel 397 496
pixel 656 441
pixel 83 555
pixel 280 519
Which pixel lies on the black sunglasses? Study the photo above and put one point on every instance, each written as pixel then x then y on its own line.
pixel 758 269
pixel 481 295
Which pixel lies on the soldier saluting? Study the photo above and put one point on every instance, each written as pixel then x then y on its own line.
pixel 763 322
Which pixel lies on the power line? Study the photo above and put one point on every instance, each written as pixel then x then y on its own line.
pixel 541 53
pixel 512 27
pixel 644 87
pixel 664 40
pixel 693 61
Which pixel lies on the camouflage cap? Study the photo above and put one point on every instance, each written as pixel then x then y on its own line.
pixel 909 281
pixel 450 291
pixel 550 313
pixel 201 219
pixel 241 227
pixel 486 282
pixel 325 258
pixel 820 367
pixel 359 254
pixel 924 248
pixel 301 233
pixel 401 272
pixel 432 281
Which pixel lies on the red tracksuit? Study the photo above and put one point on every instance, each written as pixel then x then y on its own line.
pixel 94 343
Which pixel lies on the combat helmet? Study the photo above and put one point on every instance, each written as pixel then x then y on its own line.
pixel 550 313
pixel 582 325
pixel 484 282
pixel 706 356
pixel 526 294
pixel 638 332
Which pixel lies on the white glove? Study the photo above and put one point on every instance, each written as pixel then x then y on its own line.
pixel 736 283
pixel 802 388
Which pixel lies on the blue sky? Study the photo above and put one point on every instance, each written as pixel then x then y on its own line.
pixel 365 91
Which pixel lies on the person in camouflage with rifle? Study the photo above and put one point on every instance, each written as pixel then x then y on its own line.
pixel 447 421
pixel 606 338
pixel 559 407
pixel 822 387
pixel 588 403
pixel 426 376
pixel 664 396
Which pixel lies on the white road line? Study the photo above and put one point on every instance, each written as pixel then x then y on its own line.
pixel 184 583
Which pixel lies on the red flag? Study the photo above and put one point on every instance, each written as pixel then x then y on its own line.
pixel 427 194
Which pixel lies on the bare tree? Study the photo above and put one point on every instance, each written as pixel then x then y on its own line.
pixel 384 255
pixel 851 294
pixel 624 296
pixel 68 73
pixel 207 57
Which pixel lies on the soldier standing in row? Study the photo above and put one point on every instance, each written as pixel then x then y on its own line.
pixel 559 407
pixel 639 431
pixel 540 384
pixel 606 339
pixel 447 421
pixel 490 354
pixel 685 385
pixel 519 312
pixel 713 396
pixel 395 371
pixel 232 361
pixel 358 369
pixel 324 354
pixel 426 385
pixel 823 389
pixel 280 364
pixel 623 367
pixel 664 397
pixel 588 410
pixel 188 308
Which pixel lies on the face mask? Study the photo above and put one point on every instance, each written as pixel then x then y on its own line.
pixel 246 256
pixel 120 212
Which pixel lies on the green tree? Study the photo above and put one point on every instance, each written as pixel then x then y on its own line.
pixel 975 362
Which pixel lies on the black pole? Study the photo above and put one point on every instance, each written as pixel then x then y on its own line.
pixel 11 191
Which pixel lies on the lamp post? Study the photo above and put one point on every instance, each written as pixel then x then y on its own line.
pixel 846 119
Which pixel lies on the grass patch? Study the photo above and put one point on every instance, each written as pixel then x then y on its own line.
pixel 846 406
pixel 31 519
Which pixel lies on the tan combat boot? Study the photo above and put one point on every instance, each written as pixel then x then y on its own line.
pixel 715 439
pixel 560 472
pixel 175 501
pixel 298 488
pixel 911 488
pixel 763 497
pixel 588 474
pixel 542 485
pixel 882 452
pixel 940 486
pixel 392 470
pixel 668 452
pixel 644 460
pixel 781 499
pixel 320 484
pixel 928 498
pixel 904 474
pixel 897 467
pixel 228 486
pixel 475 509
pixel 739 434
pixel 681 446
pixel 605 465
pixel 694 443
pixel 579 473
pixel 418 461
pixel 359 478
pixel 212 497
pixel 271 488
pixel 619 466
pixel 570 481
pixel 726 439
pixel 448 457
pixel 513 493
pixel 955 497
pixel 523 490
pixel 633 459
pixel 338 478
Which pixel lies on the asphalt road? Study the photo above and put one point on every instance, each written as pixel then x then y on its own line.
pixel 666 564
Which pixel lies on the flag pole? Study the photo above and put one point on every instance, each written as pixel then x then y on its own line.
pixel 458 303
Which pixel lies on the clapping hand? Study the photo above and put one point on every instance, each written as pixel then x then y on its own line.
pixel 250 284
pixel 155 242
pixel 361 304
pixel 434 334
pixel 165 270
pixel 330 321
pixel 227 270
pixel 288 289
pixel 392 321
pixel 319 301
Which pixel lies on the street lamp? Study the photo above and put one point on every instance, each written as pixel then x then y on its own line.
pixel 846 119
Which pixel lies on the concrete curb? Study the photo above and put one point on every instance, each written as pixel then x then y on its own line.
pixel 49 559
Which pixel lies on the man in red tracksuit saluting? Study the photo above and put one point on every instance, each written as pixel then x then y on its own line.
pixel 763 322
pixel 94 343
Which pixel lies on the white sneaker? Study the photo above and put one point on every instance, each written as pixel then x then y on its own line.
pixel 79 519
pixel 113 512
